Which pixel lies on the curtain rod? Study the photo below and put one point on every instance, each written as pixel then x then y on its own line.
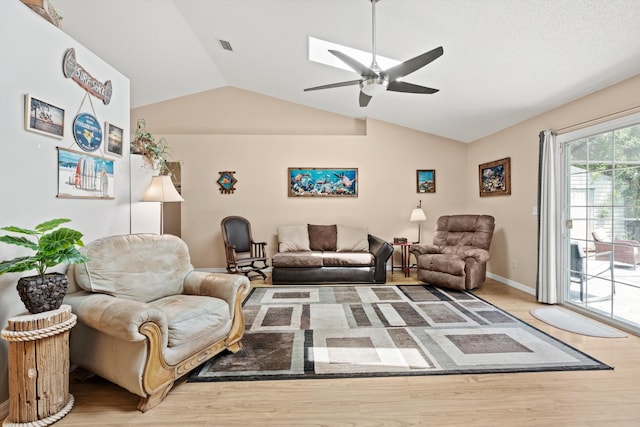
pixel 606 116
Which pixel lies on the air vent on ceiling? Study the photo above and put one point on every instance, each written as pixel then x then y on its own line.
pixel 225 45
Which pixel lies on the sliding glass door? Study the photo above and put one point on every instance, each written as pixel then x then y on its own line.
pixel 602 212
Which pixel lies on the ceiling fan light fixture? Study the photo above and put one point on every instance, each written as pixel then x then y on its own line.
pixel 374 85
pixel 374 80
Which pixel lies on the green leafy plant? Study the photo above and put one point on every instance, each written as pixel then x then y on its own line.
pixel 52 246
pixel 155 152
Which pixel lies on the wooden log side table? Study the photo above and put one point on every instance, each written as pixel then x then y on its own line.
pixel 39 367
pixel 404 258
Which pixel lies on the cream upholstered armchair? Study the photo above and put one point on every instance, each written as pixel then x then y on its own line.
pixel 146 317
pixel 458 257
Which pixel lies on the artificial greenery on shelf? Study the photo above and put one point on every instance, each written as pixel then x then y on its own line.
pixel 155 152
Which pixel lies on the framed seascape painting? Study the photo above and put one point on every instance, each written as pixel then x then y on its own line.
pixel 426 181
pixel 84 176
pixel 42 117
pixel 114 138
pixel 323 182
pixel 495 178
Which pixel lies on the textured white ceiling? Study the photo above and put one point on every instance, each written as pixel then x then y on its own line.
pixel 504 61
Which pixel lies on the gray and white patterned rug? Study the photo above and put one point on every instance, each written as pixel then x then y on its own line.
pixel 365 331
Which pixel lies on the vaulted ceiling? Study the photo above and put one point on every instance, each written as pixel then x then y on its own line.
pixel 504 60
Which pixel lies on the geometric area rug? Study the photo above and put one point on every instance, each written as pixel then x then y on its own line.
pixel 296 332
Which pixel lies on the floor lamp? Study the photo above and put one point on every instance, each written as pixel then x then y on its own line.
pixel 417 215
pixel 162 190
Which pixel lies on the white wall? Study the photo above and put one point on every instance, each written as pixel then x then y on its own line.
pixel 31 52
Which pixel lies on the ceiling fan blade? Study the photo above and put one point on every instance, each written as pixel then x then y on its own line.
pixel 413 64
pixel 410 88
pixel 364 99
pixel 359 68
pixel 332 85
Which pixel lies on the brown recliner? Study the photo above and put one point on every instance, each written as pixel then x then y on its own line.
pixel 458 257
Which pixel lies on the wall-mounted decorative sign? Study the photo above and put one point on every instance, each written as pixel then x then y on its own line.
pixel 426 181
pixel 84 176
pixel 227 182
pixel 42 117
pixel 114 138
pixel 495 178
pixel 74 71
pixel 87 132
pixel 323 182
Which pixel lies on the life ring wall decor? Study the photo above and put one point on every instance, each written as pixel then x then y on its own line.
pixel 87 132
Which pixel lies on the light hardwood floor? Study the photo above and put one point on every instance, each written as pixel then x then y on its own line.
pixel 589 398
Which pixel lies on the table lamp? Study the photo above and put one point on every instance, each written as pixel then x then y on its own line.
pixel 417 215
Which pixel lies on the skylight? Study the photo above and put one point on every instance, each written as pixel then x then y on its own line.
pixel 319 52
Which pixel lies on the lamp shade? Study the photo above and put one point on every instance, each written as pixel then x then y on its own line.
pixel 417 215
pixel 161 189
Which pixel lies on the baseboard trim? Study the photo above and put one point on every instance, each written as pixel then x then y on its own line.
pixel 512 283
pixel 4 410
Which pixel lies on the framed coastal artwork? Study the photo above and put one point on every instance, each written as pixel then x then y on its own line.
pixel 114 138
pixel 426 181
pixel 495 178
pixel 42 117
pixel 84 176
pixel 323 182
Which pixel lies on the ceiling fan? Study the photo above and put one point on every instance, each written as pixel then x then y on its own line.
pixel 374 80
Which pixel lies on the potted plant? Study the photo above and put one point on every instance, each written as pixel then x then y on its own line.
pixel 52 246
pixel 155 152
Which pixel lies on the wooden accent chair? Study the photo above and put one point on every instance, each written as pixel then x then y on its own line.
pixel 146 317
pixel 458 257
pixel 624 251
pixel 244 255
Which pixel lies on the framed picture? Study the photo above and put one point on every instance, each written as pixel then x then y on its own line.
pixel 114 138
pixel 323 182
pixel 495 178
pixel 426 181
pixel 84 176
pixel 42 117
pixel 227 182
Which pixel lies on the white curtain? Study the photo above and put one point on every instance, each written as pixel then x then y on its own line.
pixel 549 284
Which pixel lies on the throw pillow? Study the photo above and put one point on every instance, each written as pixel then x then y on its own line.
pixel 600 235
pixel 322 237
pixel 293 238
pixel 352 239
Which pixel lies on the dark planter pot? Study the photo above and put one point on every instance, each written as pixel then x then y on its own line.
pixel 43 293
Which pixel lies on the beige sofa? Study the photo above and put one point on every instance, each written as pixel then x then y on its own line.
pixel 145 317
pixel 316 254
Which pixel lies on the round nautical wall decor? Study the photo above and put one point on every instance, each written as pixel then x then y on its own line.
pixel 87 132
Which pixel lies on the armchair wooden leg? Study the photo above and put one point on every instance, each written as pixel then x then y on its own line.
pixel 155 399
pixel 235 347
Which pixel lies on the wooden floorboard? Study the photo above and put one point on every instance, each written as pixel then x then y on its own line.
pixel 576 398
